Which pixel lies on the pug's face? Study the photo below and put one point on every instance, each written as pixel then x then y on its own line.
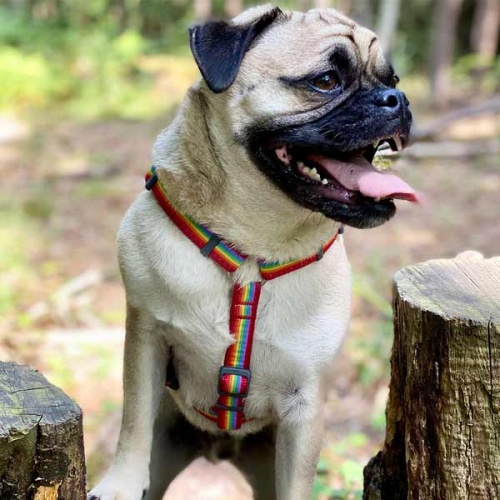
pixel 311 98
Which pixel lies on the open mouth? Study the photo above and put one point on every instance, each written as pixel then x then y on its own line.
pixel 348 178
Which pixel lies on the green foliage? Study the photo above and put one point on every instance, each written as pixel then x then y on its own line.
pixel 19 233
pixel 338 466
pixel 378 421
pixel 84 69
pixel 87 58
pixel 26 79
pixel 372 356
pixel 371 350
pixel 350 473
pixel 477 74
pixel 414 37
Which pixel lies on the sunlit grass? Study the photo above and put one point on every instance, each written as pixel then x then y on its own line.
pixel 19 238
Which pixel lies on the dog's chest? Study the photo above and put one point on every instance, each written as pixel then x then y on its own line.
pixel 301 316
pixel 301 320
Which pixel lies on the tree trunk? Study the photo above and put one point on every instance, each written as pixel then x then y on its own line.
pixel 322 4
pixel 344 6
pixel 443 414
pixel 41 439
pixel 445 26
pixel 303 5
pixel 362 12
pixel 387 23
pixel 233 7
pixel 119 10
pixel 202 9
pixel 485 29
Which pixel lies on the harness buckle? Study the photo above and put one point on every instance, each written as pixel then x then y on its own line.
pixel 240 372
pixel 222 407
pixel 151 181
pixel 207 248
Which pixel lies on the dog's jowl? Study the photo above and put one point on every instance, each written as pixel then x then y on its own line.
pixel 237 283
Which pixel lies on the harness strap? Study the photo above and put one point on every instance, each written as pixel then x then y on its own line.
pixel 223 253
pixel 234 374
pixel 272 270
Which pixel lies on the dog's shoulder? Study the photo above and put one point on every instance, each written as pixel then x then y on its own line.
pixel 157 260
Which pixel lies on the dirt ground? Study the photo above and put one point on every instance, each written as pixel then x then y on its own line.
pixel 65 187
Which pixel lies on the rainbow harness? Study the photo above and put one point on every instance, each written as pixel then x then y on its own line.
pixel 234 374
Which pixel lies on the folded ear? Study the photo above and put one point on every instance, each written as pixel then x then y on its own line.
pixel 218 47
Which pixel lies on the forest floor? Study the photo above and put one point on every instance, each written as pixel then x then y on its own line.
pixel 65 187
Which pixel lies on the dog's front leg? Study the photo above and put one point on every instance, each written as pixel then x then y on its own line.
pixel 143 372
pixel 298 445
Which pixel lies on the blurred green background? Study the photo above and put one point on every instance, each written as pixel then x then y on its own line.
pixel 85 86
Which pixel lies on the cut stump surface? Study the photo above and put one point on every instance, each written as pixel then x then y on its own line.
pixel 41 439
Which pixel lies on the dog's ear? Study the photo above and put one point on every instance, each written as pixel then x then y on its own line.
pixel 218 47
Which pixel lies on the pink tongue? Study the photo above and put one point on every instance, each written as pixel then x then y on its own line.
pixel 360 175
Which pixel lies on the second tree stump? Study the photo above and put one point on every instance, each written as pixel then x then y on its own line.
pixel 443 414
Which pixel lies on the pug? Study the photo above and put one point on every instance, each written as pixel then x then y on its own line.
pixel 237 282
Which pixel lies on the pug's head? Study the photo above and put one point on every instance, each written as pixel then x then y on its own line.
pixel 311 98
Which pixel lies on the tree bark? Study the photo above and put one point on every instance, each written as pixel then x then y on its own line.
pixel 387 23
pixel 445 26
pixel 304 5
pixel 443 414
pixel 486 29
pixel 41 439
pixel 322 4
pixel 362 12
pixel 119 10
pixel 202 9
pixel 233 7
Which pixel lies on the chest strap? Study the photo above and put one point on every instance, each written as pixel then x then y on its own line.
pixel 234 374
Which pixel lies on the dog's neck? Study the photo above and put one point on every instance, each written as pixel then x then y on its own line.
pixel 208 176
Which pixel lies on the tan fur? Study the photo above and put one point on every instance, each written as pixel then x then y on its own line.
pixel 210 176
pixel 178 301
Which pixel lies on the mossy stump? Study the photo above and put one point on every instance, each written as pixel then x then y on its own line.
pixel 41 439
pixel 443 415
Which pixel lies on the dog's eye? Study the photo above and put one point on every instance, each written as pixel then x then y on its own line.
pixel 325 82
pixel 395 80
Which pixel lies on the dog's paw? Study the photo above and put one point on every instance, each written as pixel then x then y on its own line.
pixel 119 487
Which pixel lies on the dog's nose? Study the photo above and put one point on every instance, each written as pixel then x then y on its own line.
pixel 393 99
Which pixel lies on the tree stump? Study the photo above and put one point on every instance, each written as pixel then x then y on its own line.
pixel 443 422
pixel 41 439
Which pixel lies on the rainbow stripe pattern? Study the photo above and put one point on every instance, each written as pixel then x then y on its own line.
pixel 226 256
pixel 234 375
pixel 234 378
pixel 272 270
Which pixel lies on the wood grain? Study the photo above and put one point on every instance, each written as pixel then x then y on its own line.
pixel 41 438
pixel 443 414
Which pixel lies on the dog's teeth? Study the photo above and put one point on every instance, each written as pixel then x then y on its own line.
pixel 312 173
pixel 375 143
pixel 398 142
pixel 324 181
pixel 376 199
